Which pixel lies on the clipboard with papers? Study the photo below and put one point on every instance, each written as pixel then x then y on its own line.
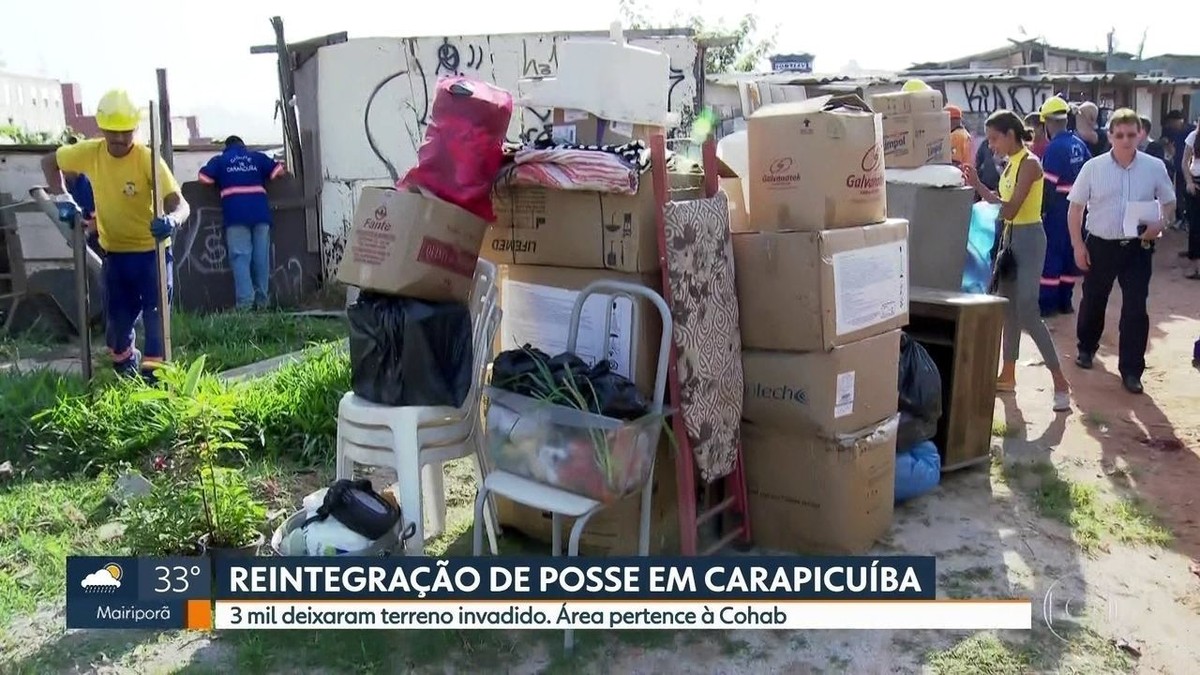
pixel 1138 214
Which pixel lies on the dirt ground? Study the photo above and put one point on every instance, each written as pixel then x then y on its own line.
pixel 1137 605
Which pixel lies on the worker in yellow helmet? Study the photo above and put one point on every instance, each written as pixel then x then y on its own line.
pixel 1064 156
pixel 119 168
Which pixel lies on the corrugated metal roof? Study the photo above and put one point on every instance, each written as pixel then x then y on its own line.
pixel 814 79
pixel 1050 78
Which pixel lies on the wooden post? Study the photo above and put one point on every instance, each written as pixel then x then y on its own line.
pixel 166 138
pixel 164 299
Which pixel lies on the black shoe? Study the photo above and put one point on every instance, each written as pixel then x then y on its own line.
pixel 1084 360
pixel 1068 309
pixel 1132 384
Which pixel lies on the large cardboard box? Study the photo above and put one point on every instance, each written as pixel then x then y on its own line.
pixel 813 291
pixel 536 303
pixel 613 531
pixel 575 228
pixel 834 392
pixel 820 495
pixel 816 165
pixel 913 140
pixel 906 102
pixel 407 243
pixel 584 128
pixel 732 185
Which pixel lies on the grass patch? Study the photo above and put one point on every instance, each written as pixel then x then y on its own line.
pixel 1001 429
pixel 41 523
pixel 1094 519
pixel 983 653
pixel 965 583
pixel 235 339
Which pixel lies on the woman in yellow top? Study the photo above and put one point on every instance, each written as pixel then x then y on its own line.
pixel 1020 201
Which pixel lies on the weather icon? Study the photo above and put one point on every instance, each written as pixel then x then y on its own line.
pixel 105 579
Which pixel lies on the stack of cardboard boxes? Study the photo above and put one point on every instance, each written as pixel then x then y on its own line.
pixel 550 244
pixel 823 289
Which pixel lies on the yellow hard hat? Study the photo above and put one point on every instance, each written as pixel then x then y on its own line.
pixel 116 112
pixel 914 85
pixel 1053 108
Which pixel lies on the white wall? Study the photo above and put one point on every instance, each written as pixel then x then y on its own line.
pixel 350 71
pixel 33 103
pixel 984 96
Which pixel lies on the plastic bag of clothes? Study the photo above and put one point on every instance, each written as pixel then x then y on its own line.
pixel 918 470
pixel 531 372
pixel 920 394
pixel 981 240
pixel 463 148
pixel 408 352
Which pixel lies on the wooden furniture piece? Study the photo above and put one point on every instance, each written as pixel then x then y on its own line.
pixel 961 332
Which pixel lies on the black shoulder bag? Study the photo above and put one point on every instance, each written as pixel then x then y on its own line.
pixel 1005 266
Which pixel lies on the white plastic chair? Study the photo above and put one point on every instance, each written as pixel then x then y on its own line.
pixel 417 440
pixel 561 503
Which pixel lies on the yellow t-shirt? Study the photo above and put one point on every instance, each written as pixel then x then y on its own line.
pixel 1030 211
pixel 122 188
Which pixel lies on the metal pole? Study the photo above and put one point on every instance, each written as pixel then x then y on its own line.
pixel 82 301
pixel 164 117
pixel 164 306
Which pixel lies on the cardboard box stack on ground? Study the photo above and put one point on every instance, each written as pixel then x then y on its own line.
pixel 916 130
pixel 823 289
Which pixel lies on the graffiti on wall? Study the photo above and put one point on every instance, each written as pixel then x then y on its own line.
pixel 398 126
pixel 985 97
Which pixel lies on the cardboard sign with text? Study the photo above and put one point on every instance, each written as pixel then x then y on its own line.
pixel 409 244
pixel 816 165
pixel 813 291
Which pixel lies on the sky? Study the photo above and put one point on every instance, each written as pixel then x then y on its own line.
pixel 205 46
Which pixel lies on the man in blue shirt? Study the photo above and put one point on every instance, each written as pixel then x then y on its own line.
pixel 241 176
pixel 1065 156
pixel 80 188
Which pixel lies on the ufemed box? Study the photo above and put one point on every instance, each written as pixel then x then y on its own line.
pixel 815 165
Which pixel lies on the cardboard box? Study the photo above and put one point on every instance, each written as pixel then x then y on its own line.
pixel 834 392
pixel 816 165
pixel 584 128
pixel 915 139
pixel 613 531
pixel 731 184
pixel 536 303
pixel 905 102
pixel 817 495
pixel 813 291
pixel 406 243
pixel 574 228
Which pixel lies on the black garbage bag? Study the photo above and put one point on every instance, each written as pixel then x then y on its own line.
pixel 920 395
pixel 408 352
pixel 567 380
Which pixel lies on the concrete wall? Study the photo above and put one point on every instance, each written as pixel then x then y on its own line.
pixel 350 72
pixel 33 103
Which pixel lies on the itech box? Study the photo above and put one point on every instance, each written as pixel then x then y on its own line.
pixel 410 244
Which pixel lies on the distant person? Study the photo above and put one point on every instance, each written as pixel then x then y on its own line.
pixel 1087 127
pixel 1020 200
pixel 1177 129
pixel 960 138
pixel 1065 157
pixel 1033 122
pixel 1105 188
pixel 1191 178
pixel 241 176
pixel 80 189
pixel 1147 143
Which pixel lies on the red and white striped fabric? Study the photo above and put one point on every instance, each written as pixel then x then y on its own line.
pixel 564 169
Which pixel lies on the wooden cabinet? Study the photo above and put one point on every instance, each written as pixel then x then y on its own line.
pixel 961 332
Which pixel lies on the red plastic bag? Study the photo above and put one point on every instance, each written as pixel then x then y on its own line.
pixel 463 152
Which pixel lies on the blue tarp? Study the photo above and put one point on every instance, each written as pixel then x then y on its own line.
pixel 918 470
pixel 980 239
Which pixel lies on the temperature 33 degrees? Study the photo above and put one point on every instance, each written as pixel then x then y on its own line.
pixel 175 579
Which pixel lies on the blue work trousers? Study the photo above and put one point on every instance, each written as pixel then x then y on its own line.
pixel 131 289
pixel 1059 273
pixel 250 257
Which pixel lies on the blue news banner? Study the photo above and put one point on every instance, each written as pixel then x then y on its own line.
pixel 174 593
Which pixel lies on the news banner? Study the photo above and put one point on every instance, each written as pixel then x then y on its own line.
pixel 890 592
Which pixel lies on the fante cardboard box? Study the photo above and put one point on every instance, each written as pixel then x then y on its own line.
pixel 816 165
pixel 916 139
pixel 536 303
pixel 905 102
pixel 406 243
pixel 613 531
pixel 575 228
pixel 813 291
pixel 820 495
pixel 834 392
pixel 584 128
